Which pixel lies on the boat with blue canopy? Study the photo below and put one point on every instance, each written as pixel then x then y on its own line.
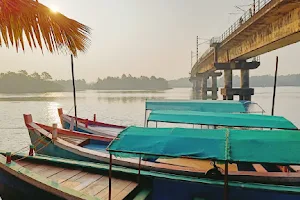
pixel 221 119
pixel 226 145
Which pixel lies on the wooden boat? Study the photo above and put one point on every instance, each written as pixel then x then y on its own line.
pixel 52 178
pixel 89 126
pixel 104 129
pixel 87 147
pixel 40 177
pixel 226 145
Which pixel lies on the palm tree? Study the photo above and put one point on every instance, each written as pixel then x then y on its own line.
pixel 36 22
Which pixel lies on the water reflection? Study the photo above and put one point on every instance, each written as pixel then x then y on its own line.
pixel 195 95
pixel 131 91
pixel 127 99
pixel 22 99
pixel 52 114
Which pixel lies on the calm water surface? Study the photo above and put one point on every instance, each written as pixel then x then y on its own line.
pixel 124 108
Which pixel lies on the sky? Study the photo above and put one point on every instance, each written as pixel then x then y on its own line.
pixel 142 37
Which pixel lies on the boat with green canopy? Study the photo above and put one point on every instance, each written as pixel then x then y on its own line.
pixel 86 147
pixel 111 130
pixel 226 145
pixel 224 106
pixel 221 119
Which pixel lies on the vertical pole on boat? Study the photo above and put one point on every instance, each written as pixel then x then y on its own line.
pixel 226 181
pixel 110 171
pixel 31 150
pixel 139 169
pixel 145 117
pixel 74 89
pixel 54 132
pixel 8 157
pixel 275 84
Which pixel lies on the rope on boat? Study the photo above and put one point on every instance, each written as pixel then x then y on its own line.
pixel 71 109
pixel 35 143
pixel 24 157
pixel 227 146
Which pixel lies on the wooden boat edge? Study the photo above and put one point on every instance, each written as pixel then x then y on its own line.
pixel 40 182
pixel 268 187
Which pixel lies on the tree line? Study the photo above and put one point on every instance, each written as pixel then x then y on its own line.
pixel 23 82
pixel 255 81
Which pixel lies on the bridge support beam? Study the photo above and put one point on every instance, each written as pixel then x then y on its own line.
pixel 244 92
pixel 200 85
pixel 214 89
pixel 227 85
pixel 203 90
pixel 245 79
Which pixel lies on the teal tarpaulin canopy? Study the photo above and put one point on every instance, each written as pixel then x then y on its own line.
pixel 255 146
pixel 199 105
pixel 221 119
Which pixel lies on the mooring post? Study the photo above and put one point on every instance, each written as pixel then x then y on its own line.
pixel 86 123
pixel 31 150
pixel 54 132
pixel 72 123
pixel 8 157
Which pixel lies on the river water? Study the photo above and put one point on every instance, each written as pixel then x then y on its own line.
pixel 119 107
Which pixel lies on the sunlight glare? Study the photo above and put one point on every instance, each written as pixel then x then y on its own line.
pixel 54 8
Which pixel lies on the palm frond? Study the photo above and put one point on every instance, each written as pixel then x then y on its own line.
pixel 20 19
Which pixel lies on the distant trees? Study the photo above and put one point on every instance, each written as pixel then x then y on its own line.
pixel 35 75
pixel 22 82
pixel 46 76
pixel 131 83
pixel 24 72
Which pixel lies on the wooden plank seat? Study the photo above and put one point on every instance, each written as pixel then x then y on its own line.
pixel 89 183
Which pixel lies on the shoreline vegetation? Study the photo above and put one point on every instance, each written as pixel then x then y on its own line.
pixel 22 82
pixel 255 81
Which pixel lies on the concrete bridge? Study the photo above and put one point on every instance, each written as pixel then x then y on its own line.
pixel 269 25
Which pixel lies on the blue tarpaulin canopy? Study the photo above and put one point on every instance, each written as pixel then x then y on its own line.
pixel 199 105
pixel 221 119
pixel 255 146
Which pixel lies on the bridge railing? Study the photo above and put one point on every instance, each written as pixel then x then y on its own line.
pixel 257 6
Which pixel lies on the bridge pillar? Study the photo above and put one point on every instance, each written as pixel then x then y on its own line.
pixel 228 85
pixel 196 82
pixel 244 92
pixel 214 86
pixel 204 87
pixel 200 85
pixel 245 79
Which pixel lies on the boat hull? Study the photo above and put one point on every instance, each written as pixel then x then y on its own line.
pixel 90 127
pixel 46 147
pixel 13 188
pixel 165 189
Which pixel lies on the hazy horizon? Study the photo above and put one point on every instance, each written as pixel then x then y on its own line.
pixel 142 37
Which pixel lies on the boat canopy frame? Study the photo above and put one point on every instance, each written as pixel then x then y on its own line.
pixel 221 119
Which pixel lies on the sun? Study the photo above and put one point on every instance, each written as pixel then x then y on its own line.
pixel 54 8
